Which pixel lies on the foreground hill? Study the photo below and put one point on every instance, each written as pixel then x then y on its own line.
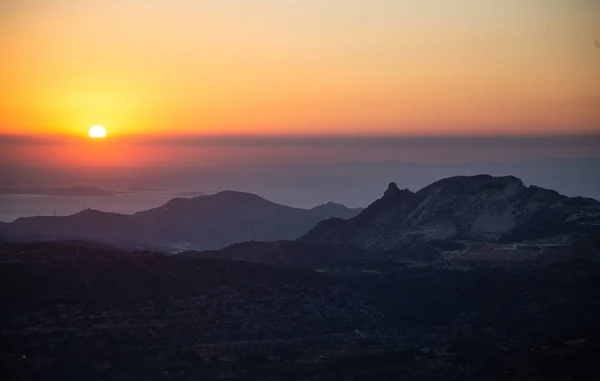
pixel 292 254
pixel 435 253
pixel 477 208
pixel 204 222
pixel 74 311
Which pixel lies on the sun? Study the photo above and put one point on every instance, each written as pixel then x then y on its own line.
pixel 97 132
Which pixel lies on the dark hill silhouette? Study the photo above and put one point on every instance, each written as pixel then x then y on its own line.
pixel 287 254
pixel 88 312
pixel 204 222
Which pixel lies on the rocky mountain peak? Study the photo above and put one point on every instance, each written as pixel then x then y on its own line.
pixel 391 190
pixel 483 208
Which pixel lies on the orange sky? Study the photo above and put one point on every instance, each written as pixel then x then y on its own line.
pixel 300 67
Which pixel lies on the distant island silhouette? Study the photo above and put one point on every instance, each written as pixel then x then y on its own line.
pixel 71 191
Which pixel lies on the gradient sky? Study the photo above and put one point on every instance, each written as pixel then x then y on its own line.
pixel 154 68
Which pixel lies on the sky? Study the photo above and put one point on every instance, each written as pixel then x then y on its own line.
pixel 157 69
pixel 303 101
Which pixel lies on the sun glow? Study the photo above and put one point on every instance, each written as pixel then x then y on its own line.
pixel 97 132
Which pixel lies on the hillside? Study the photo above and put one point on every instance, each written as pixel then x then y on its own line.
pixel 204 222
pixel 88 312
pixel 477 208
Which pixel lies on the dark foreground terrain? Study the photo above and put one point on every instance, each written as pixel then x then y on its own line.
pixel 73 311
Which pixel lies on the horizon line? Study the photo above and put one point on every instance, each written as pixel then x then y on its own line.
pixel 230 138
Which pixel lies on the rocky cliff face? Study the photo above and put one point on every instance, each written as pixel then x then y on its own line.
pixel 481 208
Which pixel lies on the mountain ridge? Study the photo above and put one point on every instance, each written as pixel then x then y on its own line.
pixel 481 208
pixel 203 222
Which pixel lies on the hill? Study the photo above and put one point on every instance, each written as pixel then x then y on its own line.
pixel 204 222
pixel 476 208
pixel 72 310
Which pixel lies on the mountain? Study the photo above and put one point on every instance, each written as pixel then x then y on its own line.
pixel 204 222
pixel 476 208
pixel 333 208
pixel 430 285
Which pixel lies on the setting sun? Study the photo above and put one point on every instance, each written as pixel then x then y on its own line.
pixel 97 132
